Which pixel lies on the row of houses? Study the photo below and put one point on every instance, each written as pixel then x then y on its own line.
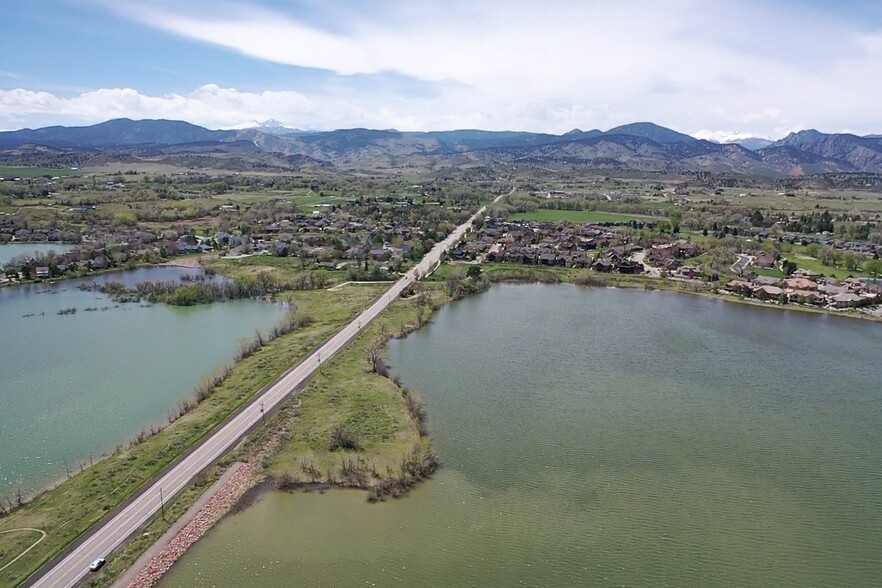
pixel 603 247
pixel 535 243
pixel 859 247
pixel 806 287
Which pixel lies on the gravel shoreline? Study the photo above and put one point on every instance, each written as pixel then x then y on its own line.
pixel 219 505
pixel 222 502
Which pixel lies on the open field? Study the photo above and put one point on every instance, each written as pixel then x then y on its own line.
pixel 35 172
pixel 809 263
pixel 71 508
pixel 579 216
pixel 281 267
pixel 802 201
pixel 304 198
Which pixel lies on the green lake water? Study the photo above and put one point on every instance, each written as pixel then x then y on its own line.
pixel 80 384
pixel 603 437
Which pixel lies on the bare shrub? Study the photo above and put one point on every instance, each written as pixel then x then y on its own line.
pixel 416 411
pixel 308 468
pixel 373 355
pixel 342 438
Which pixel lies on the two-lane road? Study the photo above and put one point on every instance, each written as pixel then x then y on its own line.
pixel 106 537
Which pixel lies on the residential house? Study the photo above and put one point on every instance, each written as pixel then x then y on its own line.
pixel 768 292
pixel 847 300
pixel 765 260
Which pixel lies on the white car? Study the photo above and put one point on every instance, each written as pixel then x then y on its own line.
pixel 97 564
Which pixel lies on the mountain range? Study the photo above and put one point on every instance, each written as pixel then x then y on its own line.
pixel 639 146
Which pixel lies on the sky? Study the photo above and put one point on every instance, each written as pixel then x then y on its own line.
pixel 717 69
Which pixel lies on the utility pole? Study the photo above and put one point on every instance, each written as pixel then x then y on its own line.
pixel 262 414
pixel 161 503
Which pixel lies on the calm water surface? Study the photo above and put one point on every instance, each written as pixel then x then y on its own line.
pixel 80 384
pixel 600 437
pixel 10 250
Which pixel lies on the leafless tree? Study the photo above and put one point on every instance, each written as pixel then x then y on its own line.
pixel 373 356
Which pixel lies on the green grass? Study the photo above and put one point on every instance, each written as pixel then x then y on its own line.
pixel 34 172
pixel 282 267
pixel 578 216
pixel 70 509
pixel 768 272
pixel 812 264
pixel 347 393
pixel 696 237
pixel 809 263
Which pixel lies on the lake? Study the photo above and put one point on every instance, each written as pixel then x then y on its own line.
pixel 11 250
pixel 74 386
pixel 603 437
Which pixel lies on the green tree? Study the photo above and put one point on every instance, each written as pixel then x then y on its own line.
pixel 873 267
pixel 851 261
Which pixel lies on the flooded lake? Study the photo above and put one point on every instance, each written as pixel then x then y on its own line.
pixel 79 384
pixel 601 437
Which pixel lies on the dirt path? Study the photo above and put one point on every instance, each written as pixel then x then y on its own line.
pixel 339 286
pixel 34 544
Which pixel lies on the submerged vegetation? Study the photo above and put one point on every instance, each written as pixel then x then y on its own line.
pixel 261 285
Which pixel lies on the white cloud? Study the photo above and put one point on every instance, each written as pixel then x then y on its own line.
pixel 209 105
pixel 545 66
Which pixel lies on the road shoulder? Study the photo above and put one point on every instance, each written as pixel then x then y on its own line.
pixel 160 544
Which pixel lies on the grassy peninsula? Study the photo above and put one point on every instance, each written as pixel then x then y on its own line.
pixel 357 425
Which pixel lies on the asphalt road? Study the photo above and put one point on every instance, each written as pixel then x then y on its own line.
pixel 103 539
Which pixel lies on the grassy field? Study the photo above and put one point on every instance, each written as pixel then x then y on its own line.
pixel 578 216
pixel 281 267
pixel 768 272
pixel 68 510
pixel 803 201
pixel 695 236
pixel 347 393
pixel 810 263
pixel 34 172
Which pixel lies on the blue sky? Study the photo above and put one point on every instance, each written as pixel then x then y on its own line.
pixel 716 68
